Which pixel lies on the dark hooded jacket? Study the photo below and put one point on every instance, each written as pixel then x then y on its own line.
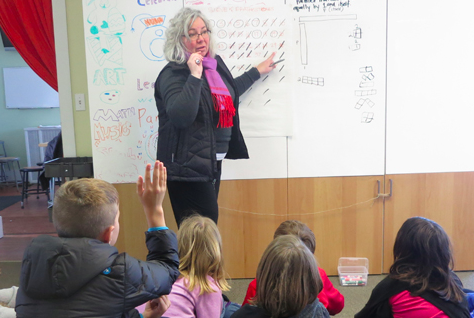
pixel 81 277
pixel 378 305
pixel 186 141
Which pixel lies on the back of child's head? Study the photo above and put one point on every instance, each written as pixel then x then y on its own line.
pixel 288 277
pixel 200 253
pixel 299 229
pixel 423 257
pixel 85 208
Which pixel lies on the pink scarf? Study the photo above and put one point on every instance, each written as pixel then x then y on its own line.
pixel 221 97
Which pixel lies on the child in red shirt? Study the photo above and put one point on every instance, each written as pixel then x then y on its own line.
pixel 330 297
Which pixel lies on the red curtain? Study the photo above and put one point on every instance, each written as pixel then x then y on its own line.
pixel 29 26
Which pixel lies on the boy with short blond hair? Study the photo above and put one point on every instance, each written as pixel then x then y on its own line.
pixel 80 273
pixel 84 208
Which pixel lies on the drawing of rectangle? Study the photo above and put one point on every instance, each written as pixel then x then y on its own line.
pixel 319 18
pixel 366 69
pixel 369 102
pixel 360 103
pixel 365 92
pixel 367 118
pixel 366 84
pixel 303 44
pixel 368 77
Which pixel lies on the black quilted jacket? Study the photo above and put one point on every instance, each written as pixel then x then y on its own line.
pixel 186 142
pixel 378 305
pixel 81 277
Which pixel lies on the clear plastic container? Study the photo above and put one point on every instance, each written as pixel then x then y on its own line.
pixel 353 271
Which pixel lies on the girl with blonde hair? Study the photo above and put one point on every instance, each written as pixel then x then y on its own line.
pixel 198 291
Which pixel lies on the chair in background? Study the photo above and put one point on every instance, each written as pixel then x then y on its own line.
pixel 5 161
pixel 25 191
pixel 54 150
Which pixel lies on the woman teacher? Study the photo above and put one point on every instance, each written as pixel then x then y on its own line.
pixel 197 100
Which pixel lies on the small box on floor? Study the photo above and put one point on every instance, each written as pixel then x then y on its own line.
pixel 353 271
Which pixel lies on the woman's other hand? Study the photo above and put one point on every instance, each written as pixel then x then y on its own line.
pixel 194 66
pixel 266 66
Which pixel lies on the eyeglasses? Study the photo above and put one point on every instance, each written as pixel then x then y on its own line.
pixel 195 36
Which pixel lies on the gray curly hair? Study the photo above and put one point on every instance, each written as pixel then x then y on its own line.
pixel 174 48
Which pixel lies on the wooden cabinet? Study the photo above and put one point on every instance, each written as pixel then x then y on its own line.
pixel 343 212
pixel 446 198
pixel 345 216
pixel 249 213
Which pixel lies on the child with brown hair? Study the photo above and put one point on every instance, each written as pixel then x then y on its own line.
pixel 329 296
pixel 80 273
pixel 198 290
pixel 288 283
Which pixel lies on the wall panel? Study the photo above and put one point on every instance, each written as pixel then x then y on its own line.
pixel 344 219
pixel 446 198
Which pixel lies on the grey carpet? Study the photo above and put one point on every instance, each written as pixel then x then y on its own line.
pixel 6 201
pixel 355 297
pixel 9 274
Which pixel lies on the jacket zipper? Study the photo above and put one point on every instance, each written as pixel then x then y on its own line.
pixel 177 146
pixel 210 110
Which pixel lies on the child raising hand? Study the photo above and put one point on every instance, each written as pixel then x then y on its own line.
pixel 80 273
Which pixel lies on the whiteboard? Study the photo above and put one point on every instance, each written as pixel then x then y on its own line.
pixel 319 113
pixel 429 96
pixel 373 89
pixel 25 89
pixel 124 42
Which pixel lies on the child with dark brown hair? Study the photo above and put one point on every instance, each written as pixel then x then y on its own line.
pixel 329 296
pixel 421 282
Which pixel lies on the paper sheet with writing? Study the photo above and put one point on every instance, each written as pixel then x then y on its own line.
pixel 245 36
